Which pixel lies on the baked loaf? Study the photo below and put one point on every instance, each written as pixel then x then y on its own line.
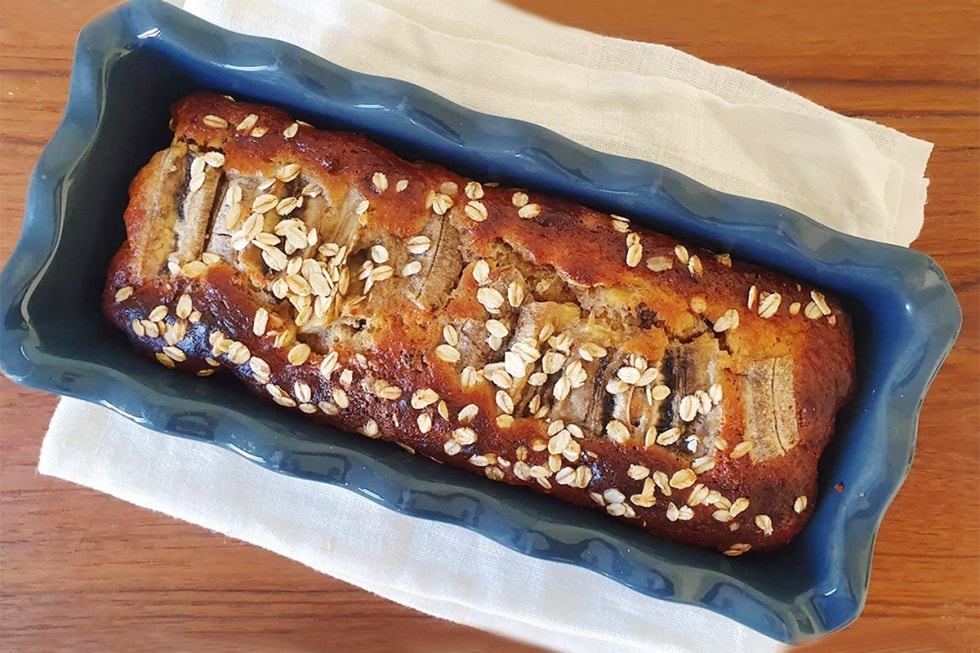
pixel 527 338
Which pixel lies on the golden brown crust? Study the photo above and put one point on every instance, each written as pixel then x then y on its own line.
pixel 525 337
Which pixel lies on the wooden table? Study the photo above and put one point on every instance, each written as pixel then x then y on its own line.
pixel 84 571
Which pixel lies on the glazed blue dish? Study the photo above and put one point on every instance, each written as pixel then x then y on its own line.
pixel 132 63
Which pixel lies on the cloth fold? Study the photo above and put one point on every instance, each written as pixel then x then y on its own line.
pixel 720 126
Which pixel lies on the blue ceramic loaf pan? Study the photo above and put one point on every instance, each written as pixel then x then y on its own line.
pixel 133 62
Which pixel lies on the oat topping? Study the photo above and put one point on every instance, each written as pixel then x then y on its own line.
pixel 279 396
pixel 683 478
pixel 715 393
pixel 424 397
pixel 722 515
pixel 124 293
pixel 184 306
pixel 175 353
pixel 634 250
pixel 739 506
pixel 473 190
pixel 529 211
pixel 659 392
pixel 158 314
pixel 638 472
pixel 682 254
pixel 698 495
pixel 565 476
pixel 452 447
pixel 695 267
pixel 505 421
pixel 669 437
pixel 264 203
pixel 238 353
pixel 659 263
pixel 418 245
pixel 727 322
pixel 216 122
pixel 741 449
pixel 379 254
pixel 821 302
pixel 646 498
pixel 385 390
pixel 467 413
pixel 476 211
pixel 737 549
pixel 328 364
pixel 465 436
pixel 764 523
pixel 302 391
pixel 214 159
pixel 440 203
pixel 490 298
pixel 688 408
pixel 247 123
pixel 504 402
pixel 703 464
pixel 620 224
pixel 411 269
pixel 769 304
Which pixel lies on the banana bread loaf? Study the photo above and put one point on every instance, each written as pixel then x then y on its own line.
pixel 527 338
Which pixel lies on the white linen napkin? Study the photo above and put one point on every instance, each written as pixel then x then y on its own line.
pixel 720 126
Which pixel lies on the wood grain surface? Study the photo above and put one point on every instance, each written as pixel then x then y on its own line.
pixel 82 571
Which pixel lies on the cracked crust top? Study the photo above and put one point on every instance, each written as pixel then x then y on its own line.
pixel 528 338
